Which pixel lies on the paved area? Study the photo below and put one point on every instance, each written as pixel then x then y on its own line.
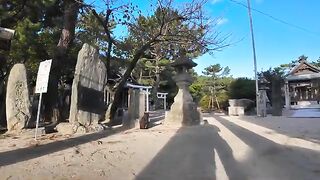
pixel 308 113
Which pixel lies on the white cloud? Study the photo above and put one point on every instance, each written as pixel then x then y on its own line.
pixel 222 21
pixel 215 1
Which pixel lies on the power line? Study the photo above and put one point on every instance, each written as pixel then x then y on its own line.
pixel 275 18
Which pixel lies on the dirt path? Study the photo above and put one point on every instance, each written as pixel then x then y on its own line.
pixel 226 148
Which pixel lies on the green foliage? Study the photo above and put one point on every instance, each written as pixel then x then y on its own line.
pixel 26 46
pixel 242 88
pixel 293 63
pixel 316 63
pixel 197 88
pixel 215 69
pixel 223 98
pixel 37 27
pixel 204 103
pixel 200 91
pixel 89 31
pixel 168 85
pixel 216 84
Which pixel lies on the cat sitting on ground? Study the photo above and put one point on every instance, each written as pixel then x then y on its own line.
pixel 144 121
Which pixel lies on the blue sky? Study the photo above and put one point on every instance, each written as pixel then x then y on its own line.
pixel 276 43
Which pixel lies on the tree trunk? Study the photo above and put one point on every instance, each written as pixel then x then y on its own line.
pixel 156 83
pixel 209 103
pixel 215 94
pixel 217 101
pixel 140 76
pixel 155 89
pixel 118 92
pixel 51 97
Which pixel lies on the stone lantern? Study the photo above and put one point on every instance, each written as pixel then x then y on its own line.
pixel 263 83
pixel 183 111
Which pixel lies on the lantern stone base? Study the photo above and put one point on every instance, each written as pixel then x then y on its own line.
pixel 183 111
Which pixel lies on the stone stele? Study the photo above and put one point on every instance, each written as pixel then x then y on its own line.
pixel 17 99
pixel 87 96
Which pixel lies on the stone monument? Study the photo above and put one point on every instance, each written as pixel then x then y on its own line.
pixel 262 103
pixel 87 95
pixel 277 100
pixel 183 111
pixel 17 100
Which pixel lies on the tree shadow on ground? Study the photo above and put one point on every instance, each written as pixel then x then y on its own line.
pixel 287 124
pixel 190 155
pixel 276 160
pixel 24 154
pixel 156 118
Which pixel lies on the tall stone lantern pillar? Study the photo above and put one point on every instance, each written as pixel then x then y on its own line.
pixel 262 97
pixel 183 111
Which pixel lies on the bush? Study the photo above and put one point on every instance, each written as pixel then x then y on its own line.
pixel 204 102
pixel 222 98
pixel 242 88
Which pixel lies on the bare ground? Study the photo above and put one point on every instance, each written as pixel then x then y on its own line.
pixel 225 148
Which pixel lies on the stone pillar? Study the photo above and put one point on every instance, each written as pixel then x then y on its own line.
pixel 183 111
pixel 131 115
pixel 277 102
pixel 262 103
pixel 142 103
pixel 135 103
pixel 17 99
pixel 133 109
pixel 287 95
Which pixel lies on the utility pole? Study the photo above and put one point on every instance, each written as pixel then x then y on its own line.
pixel 254 57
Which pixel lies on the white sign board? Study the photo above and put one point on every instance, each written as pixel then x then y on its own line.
pixel 43 76
pixel 6 33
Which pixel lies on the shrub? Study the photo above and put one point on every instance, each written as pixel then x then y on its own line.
pixel 242 88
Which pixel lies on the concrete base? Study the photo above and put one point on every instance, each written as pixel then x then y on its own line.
pixel 236 111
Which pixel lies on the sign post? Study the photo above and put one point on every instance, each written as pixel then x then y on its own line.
pixel 42 86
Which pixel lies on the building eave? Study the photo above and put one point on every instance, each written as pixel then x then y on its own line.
pixel 303 77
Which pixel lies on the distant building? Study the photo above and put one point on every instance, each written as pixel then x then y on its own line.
pixel 302 86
